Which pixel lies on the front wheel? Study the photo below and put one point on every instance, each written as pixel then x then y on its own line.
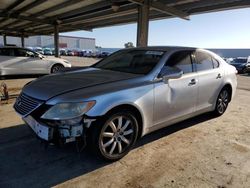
pixel 222 102
pixel 116 137
pixel 56 68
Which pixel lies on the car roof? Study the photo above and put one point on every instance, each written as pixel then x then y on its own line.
pixel 163 48
pixel 16 47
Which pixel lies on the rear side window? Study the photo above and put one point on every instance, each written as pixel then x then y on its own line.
pixel 215 63
pixel 203 61
pixel 181 60
pixel 6 52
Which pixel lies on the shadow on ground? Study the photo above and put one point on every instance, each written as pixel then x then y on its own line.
pixel 25 163
pixel 14 77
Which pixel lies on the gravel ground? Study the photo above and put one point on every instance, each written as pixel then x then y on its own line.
pixel 200 152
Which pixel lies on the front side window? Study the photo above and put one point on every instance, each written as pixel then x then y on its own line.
pixel 131 61
pixel 203 61
pixel 24 53
pixel 181 60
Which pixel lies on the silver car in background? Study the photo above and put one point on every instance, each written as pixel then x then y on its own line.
pixel 20 61
pixel 126 96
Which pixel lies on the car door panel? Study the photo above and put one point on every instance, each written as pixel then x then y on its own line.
pixel 35 65
pixel 31 63
pixel 10 64
pixel 210 83
pixel 175 99
pixel 178 97
pixel 210 80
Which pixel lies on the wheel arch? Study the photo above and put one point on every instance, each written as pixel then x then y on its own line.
pixel 55 64
pixel 134 110
pixel 229 87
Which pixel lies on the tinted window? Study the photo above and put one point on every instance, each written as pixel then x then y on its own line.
pixel 181 60
pixel 131 61
pixel 6 52
pixel 19 52
pixel 203 61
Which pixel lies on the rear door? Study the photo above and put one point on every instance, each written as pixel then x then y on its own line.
pixel 178 97
pixel 9 63
pixel 210 79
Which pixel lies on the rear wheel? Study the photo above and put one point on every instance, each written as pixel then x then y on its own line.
pixel 244 71
pixel 222 102
pixel 56 68
pixel 116 137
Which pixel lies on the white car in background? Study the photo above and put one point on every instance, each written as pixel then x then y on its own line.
pixel 22 61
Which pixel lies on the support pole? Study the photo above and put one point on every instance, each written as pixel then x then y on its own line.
pixel 56 40
pixel 142 24
pixel 22 41
pixel 4 40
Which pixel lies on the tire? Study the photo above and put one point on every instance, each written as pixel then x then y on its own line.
pixel 222 102
pixel 117 135
pixel 56 68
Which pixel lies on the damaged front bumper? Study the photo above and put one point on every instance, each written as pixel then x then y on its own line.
pixel 54 131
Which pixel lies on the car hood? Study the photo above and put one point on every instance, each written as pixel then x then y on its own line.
pixel 53 85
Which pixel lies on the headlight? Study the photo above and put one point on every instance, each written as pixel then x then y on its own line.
pixel 64 111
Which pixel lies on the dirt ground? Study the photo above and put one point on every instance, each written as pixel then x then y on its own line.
pixel 200 152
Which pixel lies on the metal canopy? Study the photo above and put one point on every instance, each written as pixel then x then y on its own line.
pixel 39 17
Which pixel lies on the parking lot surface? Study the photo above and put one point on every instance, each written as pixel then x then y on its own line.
pixel 200 152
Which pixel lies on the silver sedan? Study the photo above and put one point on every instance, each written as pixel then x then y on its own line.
pixel 126 96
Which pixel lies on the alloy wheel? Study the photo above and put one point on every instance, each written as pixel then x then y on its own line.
pixel 117 136
pixel 222 101
pixel 57 68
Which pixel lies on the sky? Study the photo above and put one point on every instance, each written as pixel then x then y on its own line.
pixel 225 29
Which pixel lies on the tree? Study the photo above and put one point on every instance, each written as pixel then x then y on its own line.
pixel 129 45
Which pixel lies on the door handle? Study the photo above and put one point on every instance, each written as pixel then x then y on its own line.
pixel 218 76
pixel 192 82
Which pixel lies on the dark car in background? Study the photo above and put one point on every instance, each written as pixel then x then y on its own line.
pixel 242 64
pixel 70 53
pixel 103 54
pixel 47 51
pixel 63 52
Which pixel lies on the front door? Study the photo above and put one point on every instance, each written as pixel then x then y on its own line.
pixel 178 97
pixel 31 63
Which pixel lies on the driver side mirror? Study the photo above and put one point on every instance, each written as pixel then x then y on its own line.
pixel 170 73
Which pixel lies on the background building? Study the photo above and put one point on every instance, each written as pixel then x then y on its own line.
pixel 69 42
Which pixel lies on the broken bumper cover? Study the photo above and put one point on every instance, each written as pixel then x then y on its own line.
pixel 49 133
pixel 42 131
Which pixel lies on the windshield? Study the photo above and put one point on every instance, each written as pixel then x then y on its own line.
pixel 131 61
pixel 239 61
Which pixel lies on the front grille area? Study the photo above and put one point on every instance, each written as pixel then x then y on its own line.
pixel 24 104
